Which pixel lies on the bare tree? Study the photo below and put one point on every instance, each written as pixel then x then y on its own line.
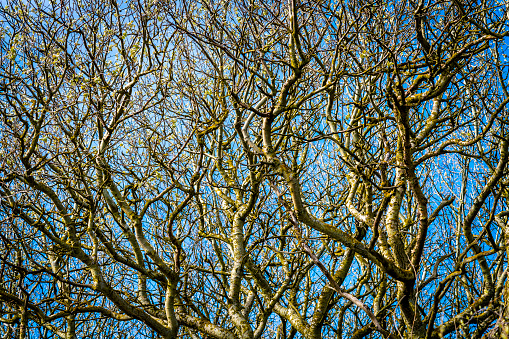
pixel 241 169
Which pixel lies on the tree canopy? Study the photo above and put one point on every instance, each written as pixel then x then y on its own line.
pixel 254 169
